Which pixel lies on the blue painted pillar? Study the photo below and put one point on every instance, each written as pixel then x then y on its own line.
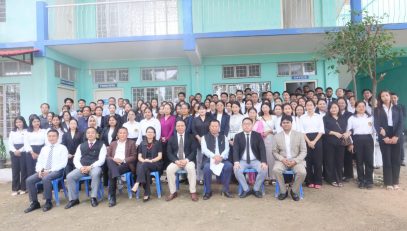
pixel 188 36
pixel 356 11
pixel 42 26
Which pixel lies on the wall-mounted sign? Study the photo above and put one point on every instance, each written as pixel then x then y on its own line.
pixel 299 77
pixel 67 83
pixel 107 85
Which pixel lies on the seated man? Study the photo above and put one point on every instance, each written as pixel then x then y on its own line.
pixel 181 151
pixel 289 149
pixel 89 158
pixel 249 152
pixel 50 165
pixel 121 158
pixel 216 151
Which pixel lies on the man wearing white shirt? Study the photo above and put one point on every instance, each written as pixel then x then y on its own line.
pixel 50 166
pixel 88 160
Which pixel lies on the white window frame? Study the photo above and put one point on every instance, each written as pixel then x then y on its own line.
pixel 160 99
pixel 58 66
pixel 105 76
pixel 235 66
pixel 312 16
pixel 241 86
pixel 3 11
pixel 154 75
pixel 296 63
pixel 7 107
pixel 18 71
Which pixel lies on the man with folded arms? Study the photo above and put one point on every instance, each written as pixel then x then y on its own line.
pixel 181 151
pixel 89 158
pixel 290 150
pixel 50 166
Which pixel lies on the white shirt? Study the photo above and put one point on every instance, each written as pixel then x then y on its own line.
pixel 312 124
pixel 98 120
pixel 368 108
pixel 219 118
pixel 60 132
pixel 144 124
pixel 235 125
pixel 209 154
pixel 389 113
pixel 252 156
pixel 34 138
pixel 258 107
pixel 120 150
pixel 98 163
pixel 133 129
pixel 243 107
pixel 277 126
pixel 361 125
pixel 16 137
pixel 298 124
pixel 59 158
pixel 109 135
pixel 287 140
pixel 268 124
pixel 120 111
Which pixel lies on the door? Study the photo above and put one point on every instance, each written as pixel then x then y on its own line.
pixel 292 86
pixel 105 94
pixel 63 93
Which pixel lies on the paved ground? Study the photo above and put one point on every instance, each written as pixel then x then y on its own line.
pixel 348 208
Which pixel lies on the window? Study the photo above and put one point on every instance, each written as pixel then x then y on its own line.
pixel 159 74
pixel 9 107
pixel 65 72
pixel 2 10
pixel 241 71
pixel 110 75
pixel 297 13
pixel 14 68
pixel 117 18
pixel 296 69
pixel 231 88
pixel 169 93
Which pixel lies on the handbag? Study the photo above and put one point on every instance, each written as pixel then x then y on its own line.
pixel 345 141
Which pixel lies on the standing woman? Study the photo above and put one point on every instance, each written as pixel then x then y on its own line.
pixel 148 121
pixel 109 133
pixel 313 129
pixel 348 156
pixel 200 127
pixel 278 112
pixel 322 107
pixel 299 111
pixel 248 105
pixel 288 110
pixel 149 160
pixel 360 126
pixel 154 107
pixel 268 122
pixel 56 124
pixel 66 118
pixel 167 130
pixel 140 112
pixel 389 124
pixel 18 156
pixel 235 126
pixel 34 140
pixel 335 126
pixel 72 139
pixel 132 126
pixel 92 123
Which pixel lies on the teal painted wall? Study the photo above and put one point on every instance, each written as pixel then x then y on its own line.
pixel 20 25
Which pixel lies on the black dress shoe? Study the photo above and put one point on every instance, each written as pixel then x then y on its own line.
pixel 258 194
pixel 361 185
pixel 294 196
pixel 72 203
pixel 94 202
pixel 403 164
pixel 207 196
pixel 369 186
pixel 145 199
pixel 282 196
pixel 33 206
pixel 47 206
pixel 112 201
pixel 245 193
pixel 227 194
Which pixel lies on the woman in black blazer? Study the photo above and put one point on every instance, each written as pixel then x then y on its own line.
pixel 72 139
pixel 388 121
pixel 335 126
pixel 348 156
pixel 109 133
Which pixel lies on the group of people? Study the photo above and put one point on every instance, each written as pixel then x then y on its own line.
pixel 309 132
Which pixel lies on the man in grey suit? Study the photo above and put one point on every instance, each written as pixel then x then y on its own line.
pixel 290 150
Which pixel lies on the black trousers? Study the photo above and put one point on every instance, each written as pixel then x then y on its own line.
pixel 143 174
pixel 391 161
pixel 19 171
pixel 69 166
pixel 364 148
pixel 401 140
pixel 115 171
pixel 166 161
pixel 30 162
pixel 348 164
pixel 314 161
pixel 334 162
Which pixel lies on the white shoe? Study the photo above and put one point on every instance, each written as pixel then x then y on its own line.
pixel 21 192
pixel 14 193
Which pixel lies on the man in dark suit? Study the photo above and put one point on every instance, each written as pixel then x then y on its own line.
pixel 181 151
pixel 329 95
pixel 395 99
pixel 222 117
pixel 249 152
pixel 83 121
pixel 112 112
pixel 121 158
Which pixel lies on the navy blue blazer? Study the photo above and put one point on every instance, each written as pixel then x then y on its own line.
pixel 224 123
pixel 72 143
pixel 380 121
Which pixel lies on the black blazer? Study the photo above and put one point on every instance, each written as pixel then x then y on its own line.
pixel 257 143
pixel 380 121
pixel 331 124
pixel 224 128
pixel 105 135
pixel 72 143
pixel 105 121
pixel 190 147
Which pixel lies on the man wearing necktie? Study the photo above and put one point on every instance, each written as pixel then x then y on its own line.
pixel 50 165
pixel 181 151
pixel 249 151
pixel 88 160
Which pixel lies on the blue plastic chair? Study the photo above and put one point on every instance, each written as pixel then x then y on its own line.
pixel 156 175
pixel 250 170
pixel 55 188
pixel 86 180
pixel 129 182
pixel 177 174
pixel 277 190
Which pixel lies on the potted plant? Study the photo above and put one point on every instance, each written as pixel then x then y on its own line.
pixel 3 153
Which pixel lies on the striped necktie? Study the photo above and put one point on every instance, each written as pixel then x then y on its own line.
pixel 48 165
